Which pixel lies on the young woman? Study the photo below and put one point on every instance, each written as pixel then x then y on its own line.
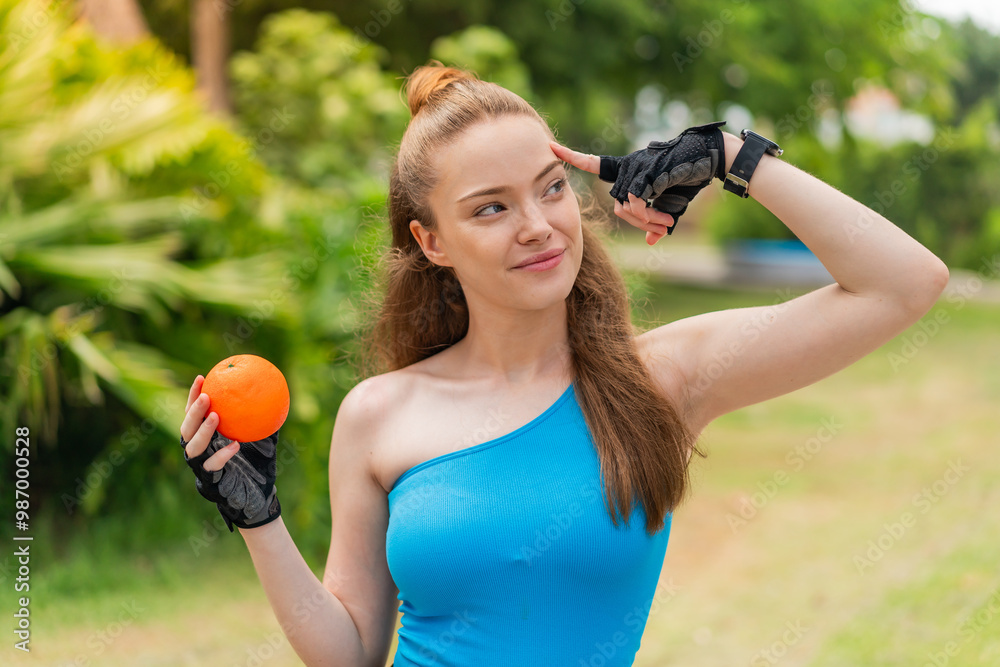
pixel 510 474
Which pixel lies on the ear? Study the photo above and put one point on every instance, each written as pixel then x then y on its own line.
pixel 429 243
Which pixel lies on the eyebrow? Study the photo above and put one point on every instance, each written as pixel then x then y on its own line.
pixel 504 188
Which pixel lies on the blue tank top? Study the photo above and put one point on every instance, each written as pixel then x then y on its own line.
pixel 504 554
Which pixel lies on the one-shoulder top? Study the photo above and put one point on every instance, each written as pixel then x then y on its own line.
pixel 504 554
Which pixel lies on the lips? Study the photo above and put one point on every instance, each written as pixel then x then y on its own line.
pixel 541 257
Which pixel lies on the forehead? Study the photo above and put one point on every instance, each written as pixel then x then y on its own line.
pixel 509 151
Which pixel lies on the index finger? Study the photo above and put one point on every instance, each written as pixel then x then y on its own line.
pixel 194 393
pixel 585 161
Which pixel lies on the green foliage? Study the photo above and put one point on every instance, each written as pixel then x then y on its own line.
pixel 141 240
pixel 90 226
pixel 319 103
pixel 588 59
pixel 943 194
pixel 976 74
pixel 487 52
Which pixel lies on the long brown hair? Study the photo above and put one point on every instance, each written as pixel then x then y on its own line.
pixel 418 307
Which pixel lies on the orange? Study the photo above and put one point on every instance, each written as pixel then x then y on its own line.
pixel 250 396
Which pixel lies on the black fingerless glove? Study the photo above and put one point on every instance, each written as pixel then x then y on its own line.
pixel 243 489
pixel 670 173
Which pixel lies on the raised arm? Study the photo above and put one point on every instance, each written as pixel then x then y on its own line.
pixel 866 254
pixel 724 360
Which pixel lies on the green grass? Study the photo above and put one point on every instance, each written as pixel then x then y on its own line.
pixel 793 561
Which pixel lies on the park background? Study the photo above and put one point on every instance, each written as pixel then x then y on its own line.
pixel 184 181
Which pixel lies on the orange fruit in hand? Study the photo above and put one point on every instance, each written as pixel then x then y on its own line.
pixel 250 396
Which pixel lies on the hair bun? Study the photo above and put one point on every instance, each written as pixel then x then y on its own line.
pixel 428 79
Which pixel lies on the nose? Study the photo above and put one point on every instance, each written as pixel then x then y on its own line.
pixel 535 226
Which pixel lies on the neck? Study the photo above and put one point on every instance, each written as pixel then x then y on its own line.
pixel 516 347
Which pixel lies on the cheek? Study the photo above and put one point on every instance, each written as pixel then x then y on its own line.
pixel 483 246
pixel 571 222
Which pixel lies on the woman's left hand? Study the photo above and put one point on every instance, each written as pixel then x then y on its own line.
pixel 634 211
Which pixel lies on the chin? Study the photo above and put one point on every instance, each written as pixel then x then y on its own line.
pixel 547 296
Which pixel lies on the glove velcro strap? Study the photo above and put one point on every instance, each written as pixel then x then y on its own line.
pixel 271 511
pixel 243 489
pixel 609 168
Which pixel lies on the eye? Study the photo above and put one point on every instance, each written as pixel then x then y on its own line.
pixel 486 208
pixel 555 188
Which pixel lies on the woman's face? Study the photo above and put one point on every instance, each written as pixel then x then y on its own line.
pixel 502 197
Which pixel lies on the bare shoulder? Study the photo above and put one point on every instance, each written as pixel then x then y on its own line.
pixel 365 405
pixel 366 410
pixel 370 414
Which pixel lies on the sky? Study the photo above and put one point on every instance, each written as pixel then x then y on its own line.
pixel 986 13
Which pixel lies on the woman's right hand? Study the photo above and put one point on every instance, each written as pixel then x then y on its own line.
pixel 197 428
pixel 244 490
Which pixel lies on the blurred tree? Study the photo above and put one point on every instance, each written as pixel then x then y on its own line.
pixel 341 107
pixel 210 51
pixel 142 240
pixel 943 194
pixel 588 59
pixel 105 189
pixel 978 77
pixel 115 20
pixel 489 53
